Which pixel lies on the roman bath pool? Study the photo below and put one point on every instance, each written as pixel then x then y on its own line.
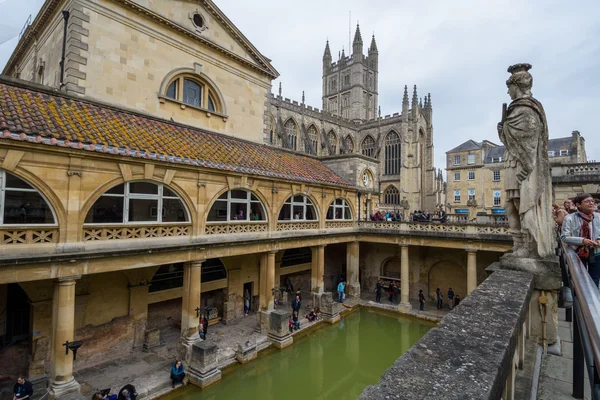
pixel 332 362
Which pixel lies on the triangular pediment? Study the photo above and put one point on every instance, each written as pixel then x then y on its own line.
pixel 203 20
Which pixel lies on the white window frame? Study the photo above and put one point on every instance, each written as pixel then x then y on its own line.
pixel 456 160
pixel 564 152
pixel 127 195
pixel 4 189
pixel 497 201
pixel 471 175
pixel 550 153
pixel 496 175
pixel 306 202
pixel 471 159
pixel 340 207
pixel 247 202
pixel 457 176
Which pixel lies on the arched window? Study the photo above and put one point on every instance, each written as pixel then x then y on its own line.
pixel 392 154
pixel 22 204
pixel 237 205
pixel 392 195
pixel 332 140
pixel 339 209
pixel 391 268
pixel 291 131
pixel 368 146
pixel 194 91
pixel 313 141
pixel 170 276
pixel 301 255
pixel 138 203
pixel 212 270
pixel 299 208
pixel 271 130
pixel 349 144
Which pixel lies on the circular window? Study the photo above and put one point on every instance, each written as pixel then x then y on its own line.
pixel 198 21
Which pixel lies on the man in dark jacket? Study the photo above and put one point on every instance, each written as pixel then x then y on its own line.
pixel 296 304
pixel 450 297
pixel 378 288
pixel 23 389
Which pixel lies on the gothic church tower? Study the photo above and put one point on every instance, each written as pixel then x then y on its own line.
pixel 350 85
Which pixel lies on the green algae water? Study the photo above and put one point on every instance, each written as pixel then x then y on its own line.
pixel 333 362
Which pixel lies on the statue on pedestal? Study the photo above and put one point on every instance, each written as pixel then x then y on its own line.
pixel 405 208
pixel 472 204
pixel 527 182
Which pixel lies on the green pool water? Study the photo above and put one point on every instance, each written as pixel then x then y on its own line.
pixel 332 362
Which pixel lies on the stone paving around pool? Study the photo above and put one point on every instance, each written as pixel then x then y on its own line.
pixel 149 370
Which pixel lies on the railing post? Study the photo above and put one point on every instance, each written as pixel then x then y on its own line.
pixel 578 370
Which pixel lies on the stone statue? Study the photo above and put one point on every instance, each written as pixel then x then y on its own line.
pixel 472 204
pixel 405 208
pixel 527 182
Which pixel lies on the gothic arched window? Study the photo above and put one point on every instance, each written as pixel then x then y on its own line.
pixel 237 205
pixel 391 195
pixel 312 140
pixel 271 130
pixel 392 154
pixel 332 139
pixel 339 209
pixel 349 144
pixel 291 131
pixel 22 204
pixel 298 207
pixel 368 146
pixel 137 203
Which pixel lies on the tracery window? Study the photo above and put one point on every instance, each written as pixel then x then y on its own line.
pixel 392 154
pixel 313 140
pixel 22 204
pixel 368 146
pixel 193 91
pixel 298 208
pixel 332 139
pixel 392 195
pixel 339 209
pixel 237 205
pixel 291 131
pixel 138 203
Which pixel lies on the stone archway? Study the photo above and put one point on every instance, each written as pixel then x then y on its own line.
pixel 391 268
pixel 445 274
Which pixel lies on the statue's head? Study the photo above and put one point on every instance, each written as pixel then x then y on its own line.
pixel 520 82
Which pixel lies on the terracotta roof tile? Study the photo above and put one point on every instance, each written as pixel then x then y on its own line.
pixel 52 119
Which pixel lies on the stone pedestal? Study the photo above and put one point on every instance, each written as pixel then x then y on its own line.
pixel 229 310
pixel 61 389
pixel 279 332
pixel 263 322
pixel 284 298
pixel 329 308
pixel 547 279
pixel 203 369
pixel 151 339
pixel 246 352
pixel 404 307
pixel 185 347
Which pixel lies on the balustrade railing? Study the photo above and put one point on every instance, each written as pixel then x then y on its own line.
pixel 28 235
pixel 100 232
pixel 336 224
pixel 296 225
pixel 235 227
pixel 466 228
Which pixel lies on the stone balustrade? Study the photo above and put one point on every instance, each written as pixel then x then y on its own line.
pixel 235 227
pixel 28 235
pixel 582 172
pixel 100 232
pixel 473 353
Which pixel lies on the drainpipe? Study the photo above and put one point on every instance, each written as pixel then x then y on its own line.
pixel 64 47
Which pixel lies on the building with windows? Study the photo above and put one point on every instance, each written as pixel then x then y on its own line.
pixel 475 171
pixel 349 130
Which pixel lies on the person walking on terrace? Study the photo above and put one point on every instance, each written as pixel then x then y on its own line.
pixel 340 289
pixel 246 302
pixel 378 288
pixel 450 297
pixel 23 389
pixel 439 298
pixel 177 373
pixel 581 230
pixel 296 304
pixel 396 293
pixel 421 300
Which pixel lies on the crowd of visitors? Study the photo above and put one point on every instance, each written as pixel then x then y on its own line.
pixel 393 291
pixel 127 392
pixel 415 216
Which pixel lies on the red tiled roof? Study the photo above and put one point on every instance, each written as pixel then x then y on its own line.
pixel 41 116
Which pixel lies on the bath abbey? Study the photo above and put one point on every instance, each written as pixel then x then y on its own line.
pixel 168 217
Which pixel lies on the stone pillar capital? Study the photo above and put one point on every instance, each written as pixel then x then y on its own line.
pixel 196 263
pixel 403 244
pixel 471 250
pixel 67 280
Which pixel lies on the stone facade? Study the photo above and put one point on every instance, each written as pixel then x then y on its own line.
pixel 476 170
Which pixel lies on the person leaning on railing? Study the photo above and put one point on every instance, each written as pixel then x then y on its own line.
pixel 581 230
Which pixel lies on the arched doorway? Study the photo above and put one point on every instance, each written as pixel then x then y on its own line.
pixel 447 274
pixel 391 269
pixel 15 329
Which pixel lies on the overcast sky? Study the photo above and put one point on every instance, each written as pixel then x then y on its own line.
pixel 456 50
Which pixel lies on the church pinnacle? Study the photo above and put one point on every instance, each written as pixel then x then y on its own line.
pixel 357 36
pixel 373 46
pixel 327 53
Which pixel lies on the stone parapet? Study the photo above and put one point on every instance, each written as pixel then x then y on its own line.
pixel 203 369
pixel 470 354
pixel 279 332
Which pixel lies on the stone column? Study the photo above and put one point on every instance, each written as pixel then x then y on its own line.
pixel 270 280
pixel 404 305
pixel 62 381
pixel 192 273
pixel 352 254
pixel 138 309
pixel 471 270
pixel 318 269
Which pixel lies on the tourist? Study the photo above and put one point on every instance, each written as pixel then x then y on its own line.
pixel 296 304
pixel 204 323
pixel 378 288
pixel 290 324
pixel 104 395
pixel 246 302
pixel 318 314
pixel 456 300
pixel 311 316
pixel 596 205
pixel 396 293
pixel 240 215
pixel 128 392
pixel 299 294
pixel 177 373
pixel 570 206
pixel 421 300
pixel 581 230
pixel 23 389
pixel 558 215
pixel 439 298
pixel 340 289
pixel 295 320
pixel 450 297
pixel 390 291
